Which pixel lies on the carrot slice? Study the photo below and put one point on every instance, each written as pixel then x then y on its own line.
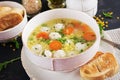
pixel 68 30
pixel 89 36
pixel 76 24
pixel 85 28
pixel 43 35
pixel 55 45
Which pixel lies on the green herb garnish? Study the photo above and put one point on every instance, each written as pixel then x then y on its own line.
pixel 4 64
pixel 101 29
pixel 47 41
pixel 75 39
pixel 107 14
pixel 43 25
pixel 61 33
pixel 16 43
pixel 62 40
pixel 81 50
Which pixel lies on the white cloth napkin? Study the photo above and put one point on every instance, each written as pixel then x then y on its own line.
pixel 115 36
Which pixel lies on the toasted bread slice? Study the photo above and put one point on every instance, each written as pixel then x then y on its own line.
pixel 17 10
pixel 10 20
pixel 103 65
pixel 97 55
pixel 10 17
pixel 4 10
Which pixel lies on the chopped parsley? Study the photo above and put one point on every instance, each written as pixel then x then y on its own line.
pixel 107 14
pixel 4 64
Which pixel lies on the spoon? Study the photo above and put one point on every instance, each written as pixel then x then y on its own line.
pixel 116 45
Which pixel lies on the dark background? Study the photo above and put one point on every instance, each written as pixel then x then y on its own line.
pixel 15 70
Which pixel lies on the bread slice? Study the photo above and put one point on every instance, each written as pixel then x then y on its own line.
pixel 9 21
pixel 10 17
pixel 103 65
pixel 4 9
pixel 17 10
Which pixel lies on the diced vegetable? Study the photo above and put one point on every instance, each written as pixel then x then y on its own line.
pixel 85 28
pixel 89 36
pixel 76 24
pixel 43 35
pixel 62 40
pixel 43 25
pixel 68 45
pixel 68 30
pixel 55 45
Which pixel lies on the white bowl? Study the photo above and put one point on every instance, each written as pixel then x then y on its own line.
pixel 16 30
pixel 63 64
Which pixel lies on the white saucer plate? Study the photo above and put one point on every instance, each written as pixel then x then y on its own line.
pixel 37 73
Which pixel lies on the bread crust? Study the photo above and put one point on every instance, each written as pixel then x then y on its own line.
pixel 10 17
pixel 10 20
pixel 4 10
pixel 103 65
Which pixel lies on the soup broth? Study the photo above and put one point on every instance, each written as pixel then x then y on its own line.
pixel 60 38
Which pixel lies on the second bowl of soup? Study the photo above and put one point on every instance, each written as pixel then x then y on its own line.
pixel 61 39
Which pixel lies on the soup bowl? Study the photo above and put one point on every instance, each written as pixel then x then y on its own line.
pixel 13 32
pixel 61 64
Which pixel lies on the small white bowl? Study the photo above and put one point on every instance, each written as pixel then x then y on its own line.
pixel 8 34
pixel 62 64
